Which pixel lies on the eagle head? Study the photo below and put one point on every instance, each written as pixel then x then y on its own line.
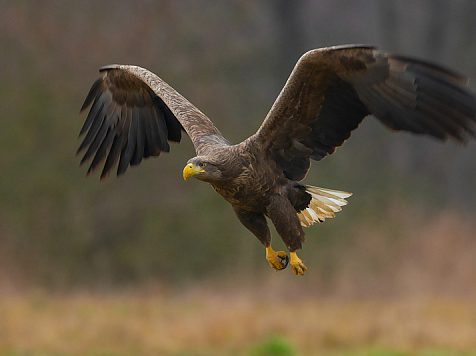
pixel 203 168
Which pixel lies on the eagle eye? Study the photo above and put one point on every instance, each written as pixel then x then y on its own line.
pixel 202 164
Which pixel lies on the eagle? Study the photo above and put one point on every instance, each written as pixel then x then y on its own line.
pixel 134 115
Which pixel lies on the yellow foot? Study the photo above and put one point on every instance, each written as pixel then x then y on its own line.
pixel 277 259
pixel 297 265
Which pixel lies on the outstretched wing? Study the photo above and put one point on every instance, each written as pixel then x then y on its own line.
pixel 332 89
pixel 133 115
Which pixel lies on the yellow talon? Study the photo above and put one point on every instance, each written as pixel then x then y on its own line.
pixel 296 264
pixel 277 259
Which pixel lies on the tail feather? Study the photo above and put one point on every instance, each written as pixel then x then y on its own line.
pixel 324 204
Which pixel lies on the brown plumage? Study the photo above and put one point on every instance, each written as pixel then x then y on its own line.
pixel 134 114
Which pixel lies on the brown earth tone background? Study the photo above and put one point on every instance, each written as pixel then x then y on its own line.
pixel 147 264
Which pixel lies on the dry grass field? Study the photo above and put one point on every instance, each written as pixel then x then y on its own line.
pixel 417 298
pixel 213 322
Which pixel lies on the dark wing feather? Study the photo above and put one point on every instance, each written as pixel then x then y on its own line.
pixel 332 89
pixel 133 115
pixel 118 142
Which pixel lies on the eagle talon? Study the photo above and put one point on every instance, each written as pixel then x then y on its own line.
pixel 277 259
pixel 284 260
pixel 297 265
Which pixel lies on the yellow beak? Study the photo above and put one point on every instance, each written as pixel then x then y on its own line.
pixel 190 170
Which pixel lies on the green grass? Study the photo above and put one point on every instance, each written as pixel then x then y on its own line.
pixel 273 346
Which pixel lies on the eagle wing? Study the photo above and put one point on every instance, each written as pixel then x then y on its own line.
pixel 133 115
pixel 332 89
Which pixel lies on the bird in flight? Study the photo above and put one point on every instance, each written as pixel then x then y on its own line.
pixel 134 114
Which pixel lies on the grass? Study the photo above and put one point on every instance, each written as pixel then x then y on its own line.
pixel 346 311
pixel 215 322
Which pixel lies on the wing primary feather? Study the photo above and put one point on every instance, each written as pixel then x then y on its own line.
pixel 465 122
pixel 95 143
pixel 162 130
pixel 150 130
pixel 97 106
pixel 97 117
pixel 128 150
pixel 104 139
pixel 452 121
pixel 148 123
pixel 140 138
pixel 174 128
pixel 120 135
pixel 454 97
pixel 428 69
pixel 93 93
pixel 101 151
pixel 96 124
pixel 91 135
pixel 158 136
pixel 390 114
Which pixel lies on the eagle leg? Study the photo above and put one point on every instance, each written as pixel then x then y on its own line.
pixel 256 223
pixel 277 259
pixel 285 220
pixel 296 264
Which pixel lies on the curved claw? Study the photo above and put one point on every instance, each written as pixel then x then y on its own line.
pixel 297 264
pixel 284 260
pixel 277 259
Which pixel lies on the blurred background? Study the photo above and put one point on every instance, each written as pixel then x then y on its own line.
pixel 408 232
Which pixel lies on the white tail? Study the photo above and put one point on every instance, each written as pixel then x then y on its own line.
pixel 324 204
